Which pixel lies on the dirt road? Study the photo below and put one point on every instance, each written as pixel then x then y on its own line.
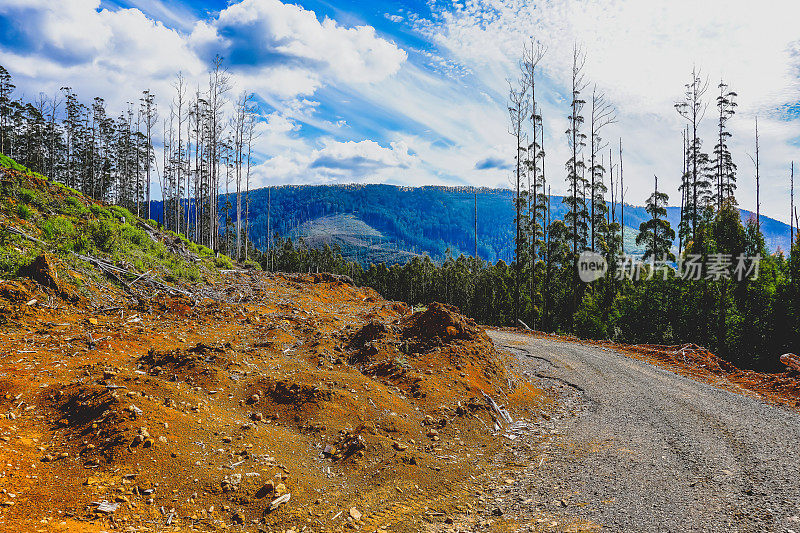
pixel 647 450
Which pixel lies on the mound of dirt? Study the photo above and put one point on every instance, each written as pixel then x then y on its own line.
pixel 15 292
pixel 90 413
pixel 439 323
pixel 200 365
pixel 42 270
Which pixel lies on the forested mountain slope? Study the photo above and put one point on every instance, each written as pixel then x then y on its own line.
pixel 386 223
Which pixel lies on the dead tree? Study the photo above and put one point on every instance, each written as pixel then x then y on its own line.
pixel 518 110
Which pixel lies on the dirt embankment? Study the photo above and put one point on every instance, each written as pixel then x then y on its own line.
pixel 284 402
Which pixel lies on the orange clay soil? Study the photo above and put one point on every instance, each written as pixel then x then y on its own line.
pixel 184 415
pixel 696 362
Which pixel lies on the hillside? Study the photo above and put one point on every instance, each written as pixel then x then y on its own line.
pixel 147 386
pixel 85 245
pixel 355 238
pixel 416 220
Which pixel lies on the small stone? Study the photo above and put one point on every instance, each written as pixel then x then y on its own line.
pixel 267 488
pixel 355 514
pixel 399 446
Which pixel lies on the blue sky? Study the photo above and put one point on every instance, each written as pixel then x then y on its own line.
pixel 414 92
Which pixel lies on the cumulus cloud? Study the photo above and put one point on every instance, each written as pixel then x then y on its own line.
pixel 258 33
pixel 280 52
pixel 113 54
pixel 338 162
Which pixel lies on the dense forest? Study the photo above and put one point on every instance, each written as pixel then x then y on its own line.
pixel 523 267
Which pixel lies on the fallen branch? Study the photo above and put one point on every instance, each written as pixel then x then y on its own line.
pixel 502 412
pixel 106 266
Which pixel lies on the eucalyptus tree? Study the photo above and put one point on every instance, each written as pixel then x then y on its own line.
pixel 692 108
pixel 723 162
pixel 656 234
pixel 575 166
pixel 534 162
pixel 602 114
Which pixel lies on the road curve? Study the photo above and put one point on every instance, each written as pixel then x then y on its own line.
pixel 655 451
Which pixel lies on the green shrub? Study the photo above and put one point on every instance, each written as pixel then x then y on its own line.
pixel 122 213
pixel 589 322
pixel 24 212
pixel 204 250
pixel 99 211
pixel 104 234
pixel 75 206
pixel 81 243
pixel 252 264
pixel 11 260
pixel 58 228
pixel 134 236
pixel 28 196
pixel 223 262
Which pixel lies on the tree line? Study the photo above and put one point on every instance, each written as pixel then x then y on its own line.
pixel 205 153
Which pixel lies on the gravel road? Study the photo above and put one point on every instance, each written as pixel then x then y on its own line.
pixel 642 449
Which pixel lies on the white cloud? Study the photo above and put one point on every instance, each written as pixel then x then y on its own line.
pixel 113 54
pixel 338 162
pixel 260 32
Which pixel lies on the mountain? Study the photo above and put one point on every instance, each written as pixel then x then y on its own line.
pixel 387 223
